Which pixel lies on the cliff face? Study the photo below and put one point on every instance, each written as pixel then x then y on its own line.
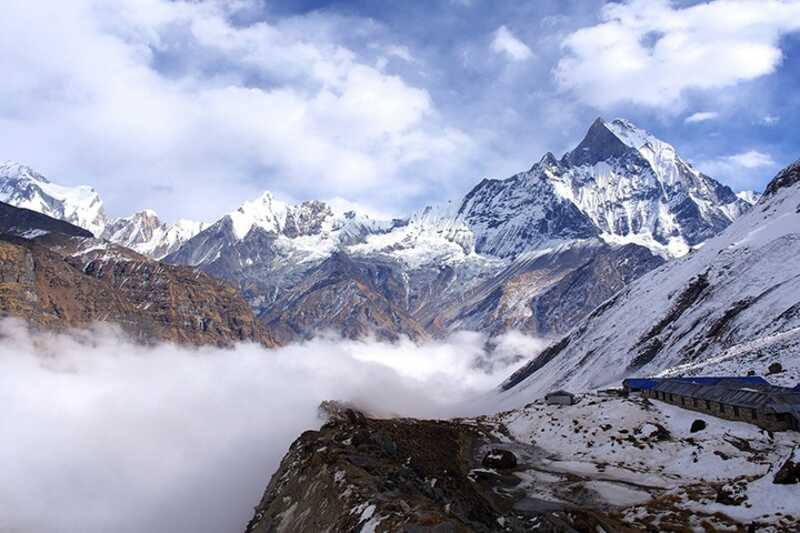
pixel 59 278
pixel 402 475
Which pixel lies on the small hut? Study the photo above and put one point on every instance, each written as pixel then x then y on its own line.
pixel 560 397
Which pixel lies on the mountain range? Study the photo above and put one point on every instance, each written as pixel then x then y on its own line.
pixel 730 308
pixel 536 251
pixel 601 459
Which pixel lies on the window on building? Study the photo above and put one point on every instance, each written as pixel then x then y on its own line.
pixel 735 410
pixel 754 413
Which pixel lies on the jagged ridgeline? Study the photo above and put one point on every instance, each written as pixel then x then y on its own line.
pixel 58 276
pixel 535 252
pixel 730 308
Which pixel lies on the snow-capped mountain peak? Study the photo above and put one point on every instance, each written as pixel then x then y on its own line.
pixel 264 212
pixel 630 134
pixel 145 233
pixel 732 306
pixel 751 197
pixel 636 189
pixel 21 186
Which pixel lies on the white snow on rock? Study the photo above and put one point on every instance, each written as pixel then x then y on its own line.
pixel 21 186
pixel 640 459
pixel 729 307
pixel 658 200
pixel 144 233
pixel 751 197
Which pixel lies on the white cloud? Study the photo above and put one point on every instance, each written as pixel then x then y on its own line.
pixel 771 120
pixel 507 43
pixel 742 171
pixel 647 52
pixel 701 116
pixel 752 159
pixel 400 51
pixel 109 436
pixel 152 93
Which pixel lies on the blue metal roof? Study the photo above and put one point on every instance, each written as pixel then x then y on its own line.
pixel 649 383
pixel 641 383
pixel 715 380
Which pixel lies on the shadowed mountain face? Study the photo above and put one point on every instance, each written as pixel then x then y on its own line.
pixel 29 224
pixel 731 307
pixel 356 298
pixel 536 251
pixel 61 277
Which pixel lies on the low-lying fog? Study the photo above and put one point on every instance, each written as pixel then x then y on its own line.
pixel 98 434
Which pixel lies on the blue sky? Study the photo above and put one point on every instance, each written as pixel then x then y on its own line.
pixel 191 108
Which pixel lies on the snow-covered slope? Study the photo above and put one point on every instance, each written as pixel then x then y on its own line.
pixel 143 232
pixel 21 186
pixel 731 306
pixel 751 197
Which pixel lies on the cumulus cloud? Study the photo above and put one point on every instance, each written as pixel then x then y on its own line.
pixel 701 116
pixel 102 435
pixel 507 43
pixel 649 52
pixel 751 159
pixel 131 93
pixel 742 171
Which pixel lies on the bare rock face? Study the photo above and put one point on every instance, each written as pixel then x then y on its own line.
pixel 500 459
pixel 789 473
pixel 350 297
pixel 697 425
pixel 58 280
pixel 401 475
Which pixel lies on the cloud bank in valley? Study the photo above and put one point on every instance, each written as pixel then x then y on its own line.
pixel 103 435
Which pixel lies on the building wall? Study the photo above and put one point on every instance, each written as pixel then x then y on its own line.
pixel 559 400
pixel 768 421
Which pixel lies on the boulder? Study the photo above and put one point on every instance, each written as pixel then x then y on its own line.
pixel 698 425
pixel 731 495
pixel 775 368
pixel 499 459
pixel 789 473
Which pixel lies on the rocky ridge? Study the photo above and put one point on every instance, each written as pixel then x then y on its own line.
pixel 57 276
pixel 607 463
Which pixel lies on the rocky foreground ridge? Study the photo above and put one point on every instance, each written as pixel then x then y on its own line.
pixel 57 276
pixel 608 464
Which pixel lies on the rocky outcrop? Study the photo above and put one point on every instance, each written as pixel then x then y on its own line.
pixel 60 279
pixel 352 298
pixel 403 475
pixel 608 463
pixel 789 472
